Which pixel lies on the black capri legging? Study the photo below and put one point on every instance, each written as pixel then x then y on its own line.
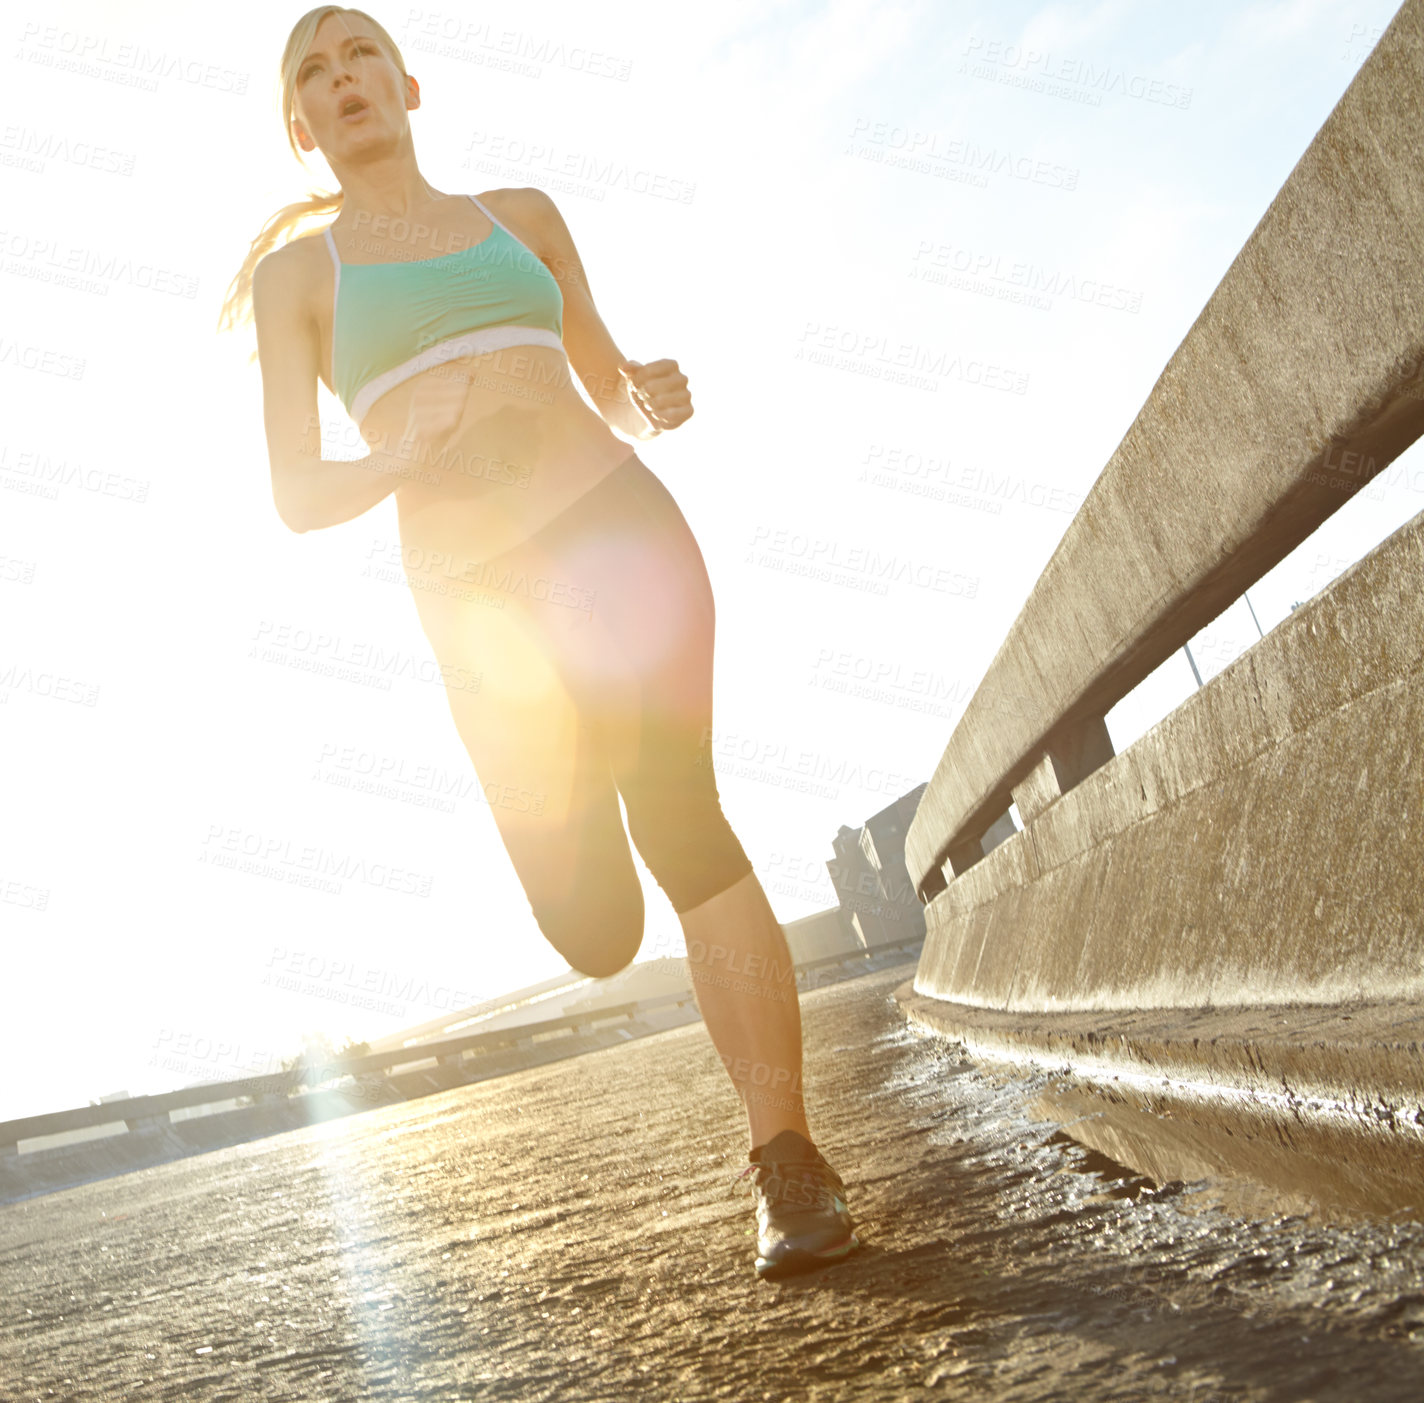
pixel 592 642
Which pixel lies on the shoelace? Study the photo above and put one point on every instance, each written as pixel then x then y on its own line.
pixel 821 1176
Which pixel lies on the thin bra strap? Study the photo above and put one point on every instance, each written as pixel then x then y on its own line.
pixel 335 294
pixel 488 214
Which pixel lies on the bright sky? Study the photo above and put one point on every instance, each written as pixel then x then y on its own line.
pixel 748 184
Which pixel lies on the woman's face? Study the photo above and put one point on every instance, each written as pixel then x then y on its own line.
pixel 350 96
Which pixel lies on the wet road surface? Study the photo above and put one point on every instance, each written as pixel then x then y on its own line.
pixel 573 1232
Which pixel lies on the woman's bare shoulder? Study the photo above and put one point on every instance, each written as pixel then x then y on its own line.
pixel 299 252
pixel 292 267
pixel 527 200
pixel 531 213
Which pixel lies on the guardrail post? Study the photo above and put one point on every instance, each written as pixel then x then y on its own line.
pixel 1070 757
pixel 963 857
pixel 159 1121
pixel 967 853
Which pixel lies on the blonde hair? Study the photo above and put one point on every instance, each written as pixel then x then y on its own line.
pixel 286 224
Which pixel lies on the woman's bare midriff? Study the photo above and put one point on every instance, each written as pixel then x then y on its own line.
pixel 491 447
pixel 523 446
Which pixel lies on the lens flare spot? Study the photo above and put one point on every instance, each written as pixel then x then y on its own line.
pixel 646 611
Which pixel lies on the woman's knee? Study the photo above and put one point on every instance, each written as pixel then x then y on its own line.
pixel 598 933
pixel 689 847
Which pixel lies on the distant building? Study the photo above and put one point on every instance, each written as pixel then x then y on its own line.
pixel 876 905
pixel 877 898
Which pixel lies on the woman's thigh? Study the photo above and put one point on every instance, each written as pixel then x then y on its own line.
pixel 544 765
pixel 593 644
pixel 639 663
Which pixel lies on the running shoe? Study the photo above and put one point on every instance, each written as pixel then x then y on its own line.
pixel 803 1221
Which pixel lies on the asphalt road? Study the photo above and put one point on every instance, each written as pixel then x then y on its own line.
pixel 573 1232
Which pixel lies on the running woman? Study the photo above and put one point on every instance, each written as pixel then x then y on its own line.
pixel 554 575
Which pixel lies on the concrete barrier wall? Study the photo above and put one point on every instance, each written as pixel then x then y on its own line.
pixel 1262 845
pixel 1302 378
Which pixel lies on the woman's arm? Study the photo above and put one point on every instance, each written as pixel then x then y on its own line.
pixel 596 360
pixel 309 491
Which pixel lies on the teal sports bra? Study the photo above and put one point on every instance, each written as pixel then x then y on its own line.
pixel 390 321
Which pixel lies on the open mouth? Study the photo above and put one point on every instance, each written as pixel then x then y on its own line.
pixel 353 106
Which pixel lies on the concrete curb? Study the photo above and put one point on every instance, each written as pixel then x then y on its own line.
pixel 1323 1107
